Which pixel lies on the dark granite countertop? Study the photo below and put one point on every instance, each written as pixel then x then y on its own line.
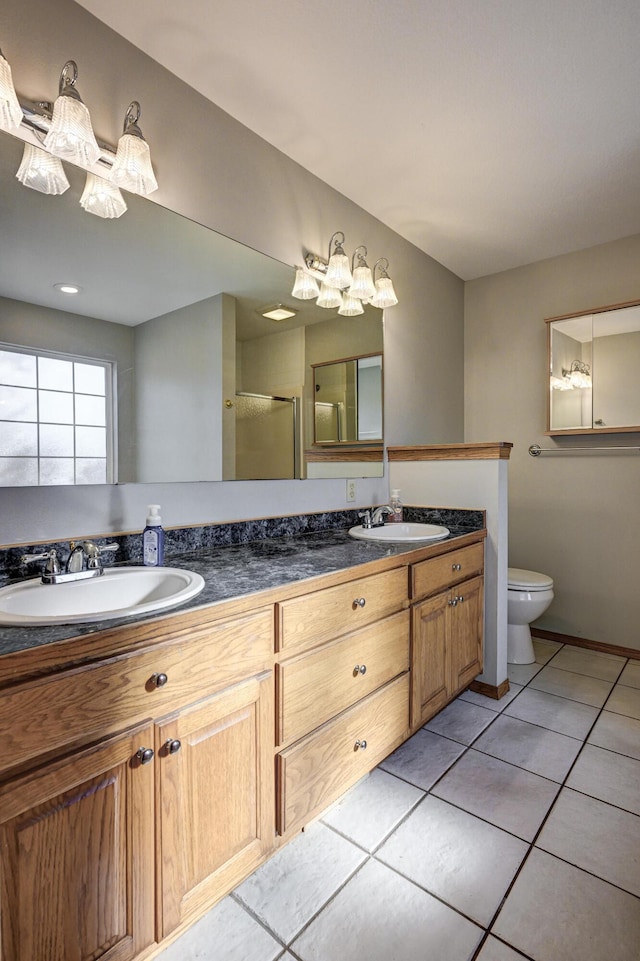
pixel 237 571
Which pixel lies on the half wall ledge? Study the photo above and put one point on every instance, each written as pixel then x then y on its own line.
pixel 496 450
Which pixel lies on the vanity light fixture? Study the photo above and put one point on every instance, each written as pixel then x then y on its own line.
pixel 277 312
pixel 385 295
pixel 71 135
pixel 132 168
pixel 355 287
pixel 42 171
pixel 362 285
pixel 102 198
pixel 10 109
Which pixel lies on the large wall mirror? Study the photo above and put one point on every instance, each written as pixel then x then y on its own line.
pixel 163 368
pixel 594 360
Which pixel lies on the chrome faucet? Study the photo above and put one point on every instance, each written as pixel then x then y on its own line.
pixel 377 518
pixel 83 562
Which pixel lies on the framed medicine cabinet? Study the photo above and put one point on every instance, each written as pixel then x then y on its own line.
pixel 594 365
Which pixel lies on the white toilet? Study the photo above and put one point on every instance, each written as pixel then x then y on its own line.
pixel 528 597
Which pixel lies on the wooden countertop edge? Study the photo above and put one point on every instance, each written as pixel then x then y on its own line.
pixel 492 450
pixel 341 454
pixel 44 659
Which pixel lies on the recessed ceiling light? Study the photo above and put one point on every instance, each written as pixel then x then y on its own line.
pixel 278 312
pixel 67 288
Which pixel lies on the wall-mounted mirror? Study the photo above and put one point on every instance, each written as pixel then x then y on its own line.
pixel 594 359
pixel 348 401
pixel 200 385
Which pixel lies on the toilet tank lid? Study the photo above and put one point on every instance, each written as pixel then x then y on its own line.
pixel 529 580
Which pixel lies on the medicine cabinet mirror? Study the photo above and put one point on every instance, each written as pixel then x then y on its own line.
pixel 201 385
pixel 348 401
pixel 594 359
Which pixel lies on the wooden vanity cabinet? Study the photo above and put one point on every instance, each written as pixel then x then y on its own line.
pixel 107 846
pixel 342 686
pixel 447 629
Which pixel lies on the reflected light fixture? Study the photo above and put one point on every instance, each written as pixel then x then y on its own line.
pixel 42 171
pixel 329 296
pixel 385 295
pixel 102 198
pixel 338 274
pixel 277 312
pixel 578 375
pixel 10 109
pixel 362 285
pixel 71 135
pixel 355 287
pixel 305 286
pixel 132 168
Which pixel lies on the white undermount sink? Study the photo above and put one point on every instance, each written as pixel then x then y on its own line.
pixel 400 533
pixel 118 592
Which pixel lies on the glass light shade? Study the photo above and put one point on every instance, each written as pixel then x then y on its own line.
pixel 305 287
pixel 338 272
pixel 132 168
pixel 102 198
pixel 560 383
pixel 329 297
pixel 71 135
pixel 42 171
pixel 351 306
pixel 579 380
pixel 385 295
pixel 10 109
pixel 362 287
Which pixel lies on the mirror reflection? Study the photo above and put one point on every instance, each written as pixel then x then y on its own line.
pixel 348 401
pixel 593 364
pixel 169 368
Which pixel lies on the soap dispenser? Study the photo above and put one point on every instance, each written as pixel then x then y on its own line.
pixel 153 538
pixel 396 504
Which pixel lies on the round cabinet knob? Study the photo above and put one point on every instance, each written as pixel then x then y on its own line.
pixel 145 755
pixel 360 745
pixel 359 669
pixel 460 598
pixel 159 680
pixel 453 602
pixel 456 567
pixel 173 746
pixel 359 602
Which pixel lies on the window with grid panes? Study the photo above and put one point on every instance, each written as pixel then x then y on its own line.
pixel 55 419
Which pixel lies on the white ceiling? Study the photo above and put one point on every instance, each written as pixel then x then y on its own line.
pixel 490 133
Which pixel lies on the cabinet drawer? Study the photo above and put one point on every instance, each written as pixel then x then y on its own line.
pixel 323 615
pixel 314 687
pixel 316 771
pixel 88 702
pixel 440 572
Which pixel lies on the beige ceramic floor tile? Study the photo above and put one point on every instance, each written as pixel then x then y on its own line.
pixel 625 700
pixel 445 850
pixel 553 712
pixel 617 733
pixel 500 793
pixel 596 837
pixel 545 650
pixel 494 950
pixel 461 721
pixel 373 808
pixel 631 674
pixel 226 933
pixel 592 663
pixel 556 912
pixel 490 703
pixel 379 916
pixel 522 673
pixel 423 758
pixel 529 746
pixel 576 687
pixel 289 889
pixel 608 776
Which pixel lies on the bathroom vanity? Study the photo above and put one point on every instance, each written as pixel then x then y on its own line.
pixel 149 767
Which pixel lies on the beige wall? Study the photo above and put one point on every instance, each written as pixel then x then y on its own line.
pixel 217 172
pixel 575 516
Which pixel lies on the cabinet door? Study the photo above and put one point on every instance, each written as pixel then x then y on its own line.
pixel 430 666
pixel 466 633
pixel 215 797
pixel 77 857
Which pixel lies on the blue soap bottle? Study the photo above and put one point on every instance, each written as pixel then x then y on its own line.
pixel 153 538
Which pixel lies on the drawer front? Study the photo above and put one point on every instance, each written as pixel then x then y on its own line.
pixel 89 702
pixel 433 575
pixel 317 770
pixel 306 621
pixel 314 687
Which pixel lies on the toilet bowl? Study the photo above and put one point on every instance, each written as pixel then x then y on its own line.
pixel 529 595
